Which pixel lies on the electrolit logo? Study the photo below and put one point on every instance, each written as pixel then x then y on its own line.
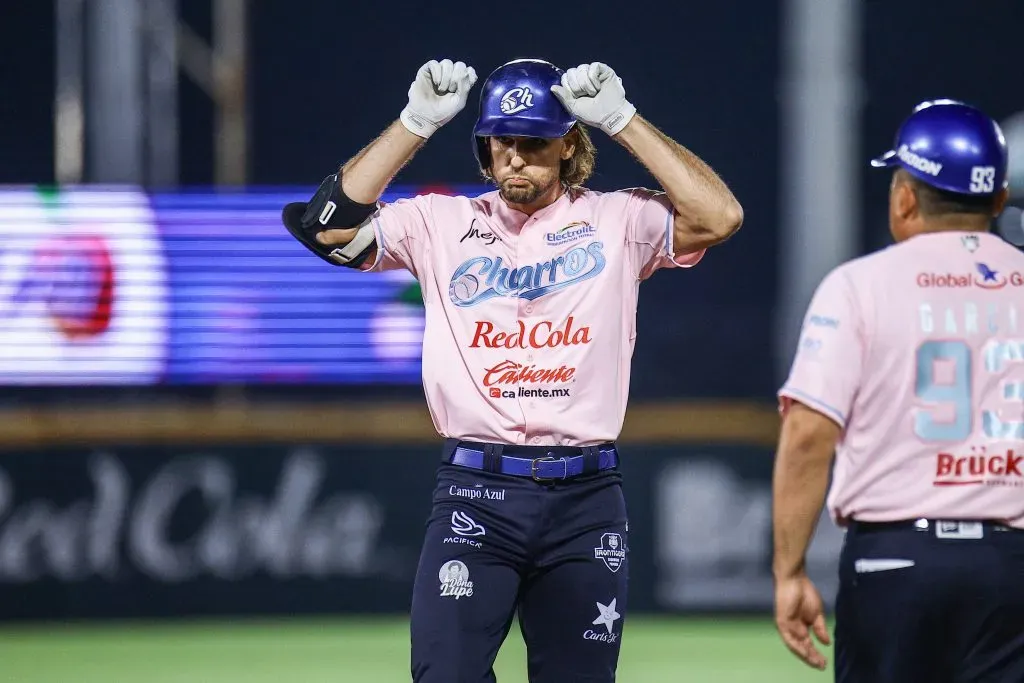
pixel 482 278
pixel 570 233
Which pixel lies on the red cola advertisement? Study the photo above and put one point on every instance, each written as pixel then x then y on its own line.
pixel 264 529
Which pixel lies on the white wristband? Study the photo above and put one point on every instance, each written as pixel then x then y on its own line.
pixel 618 120
pixel 416 124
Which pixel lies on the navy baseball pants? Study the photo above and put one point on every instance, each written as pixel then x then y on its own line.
pixel 930 602
pixel 549 548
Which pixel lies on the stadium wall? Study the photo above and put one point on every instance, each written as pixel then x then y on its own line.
pixel 164 511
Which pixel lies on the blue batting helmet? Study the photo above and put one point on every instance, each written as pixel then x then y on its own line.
pixel 516 99
pixel 951 146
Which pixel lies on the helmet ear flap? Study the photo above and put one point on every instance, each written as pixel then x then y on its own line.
pixel 482 151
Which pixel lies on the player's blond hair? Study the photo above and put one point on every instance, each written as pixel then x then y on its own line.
pixel 578 168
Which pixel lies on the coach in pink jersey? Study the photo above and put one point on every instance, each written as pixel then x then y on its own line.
pixel 910 367
pixel 530 294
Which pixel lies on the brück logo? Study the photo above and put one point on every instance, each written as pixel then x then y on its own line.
pixel 979 468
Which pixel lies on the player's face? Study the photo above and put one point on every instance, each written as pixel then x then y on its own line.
pixel 526 169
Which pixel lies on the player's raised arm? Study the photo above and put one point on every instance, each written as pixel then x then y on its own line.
pixel 706 212
pixel 335 223
pixel 438 93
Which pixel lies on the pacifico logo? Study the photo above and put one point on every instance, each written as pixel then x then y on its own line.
pixel 482 278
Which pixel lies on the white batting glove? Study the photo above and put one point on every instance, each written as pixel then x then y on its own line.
pixel 594 95
pixel 439 93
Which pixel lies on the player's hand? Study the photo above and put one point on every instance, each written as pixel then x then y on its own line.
pixel 799 611
pixel 594 95
pixel 439 93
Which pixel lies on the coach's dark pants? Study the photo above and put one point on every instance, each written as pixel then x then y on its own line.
pixel 955 615
pixel 497 544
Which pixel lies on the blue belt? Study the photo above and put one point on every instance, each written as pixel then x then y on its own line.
pixel 548 467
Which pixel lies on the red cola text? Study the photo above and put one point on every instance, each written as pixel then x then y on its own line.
pixel 543 334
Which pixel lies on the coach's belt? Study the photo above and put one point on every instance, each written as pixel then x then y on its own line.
pixel 943 528
pixel 548 467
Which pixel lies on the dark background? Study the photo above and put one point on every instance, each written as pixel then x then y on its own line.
pixel 325 77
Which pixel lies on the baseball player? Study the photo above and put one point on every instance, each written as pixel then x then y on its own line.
pixel 910 367
pixel 530 294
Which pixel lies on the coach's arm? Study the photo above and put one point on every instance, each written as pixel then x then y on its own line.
pixel 706 211
pixel 799 486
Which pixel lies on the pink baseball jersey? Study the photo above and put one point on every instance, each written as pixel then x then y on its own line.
pixel 530 320
pixel 917 352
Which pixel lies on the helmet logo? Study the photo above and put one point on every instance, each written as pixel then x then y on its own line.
pixel 920 163
pixel 516 100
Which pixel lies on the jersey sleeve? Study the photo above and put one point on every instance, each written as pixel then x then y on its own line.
pixel 400 229
pixel 649 234
pixel 827 368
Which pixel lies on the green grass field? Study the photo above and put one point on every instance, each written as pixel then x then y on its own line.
pixel 367 651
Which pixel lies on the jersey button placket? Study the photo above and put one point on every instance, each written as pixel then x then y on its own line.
pixel 525 358
pixel 527 322
pixel 522 311
pixel 526 308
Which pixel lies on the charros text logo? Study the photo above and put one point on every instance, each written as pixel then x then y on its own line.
pixel 516 100
pixel 482 278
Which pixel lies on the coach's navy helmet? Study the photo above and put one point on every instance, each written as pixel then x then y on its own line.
pixel 516 99
pixel 952 146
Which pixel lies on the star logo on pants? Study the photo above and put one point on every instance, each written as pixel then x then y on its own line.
pixel 606 615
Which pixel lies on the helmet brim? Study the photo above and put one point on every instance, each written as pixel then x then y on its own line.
pixel 887 160
pixel 527 128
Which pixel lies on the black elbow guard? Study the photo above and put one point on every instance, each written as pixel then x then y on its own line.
pixel 330 208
